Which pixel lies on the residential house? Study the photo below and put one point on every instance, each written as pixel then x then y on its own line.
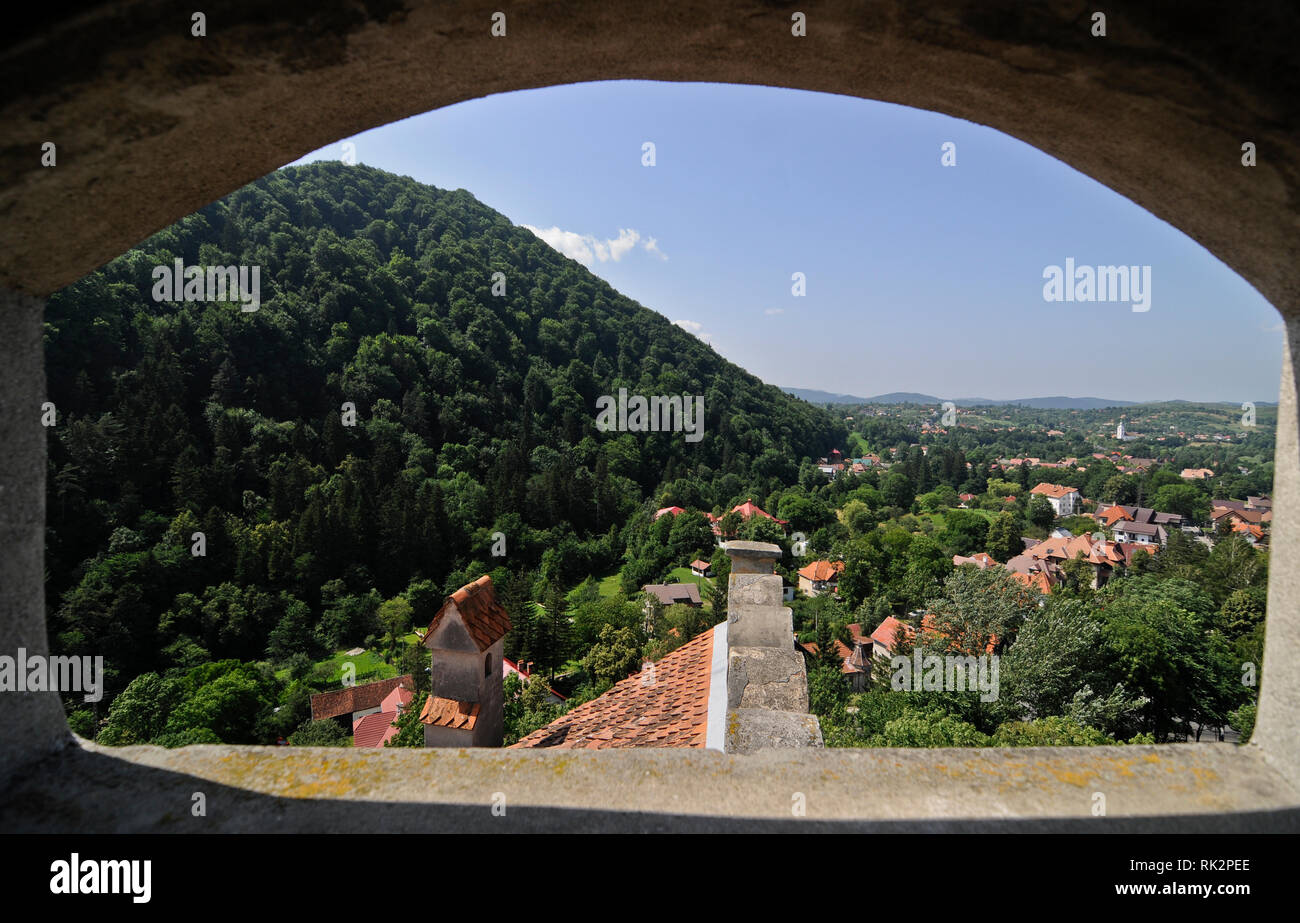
pixel 1240 515
pixel 350 704
pixel 1065 500
pixel 1263 504
pixel 855 661
pixel 1107 515
pixel 820 577
pixel 1140 533
pixel 509 667
pixel 669 511
pixel 885 639
pixel 687 594
pixel 1196 474
pixel 701 568
pixel 1253 534
pixel 979 559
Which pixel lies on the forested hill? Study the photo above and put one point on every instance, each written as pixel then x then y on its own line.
pixel 475 414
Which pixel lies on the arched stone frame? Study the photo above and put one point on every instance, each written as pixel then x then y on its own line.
pixel 1158 110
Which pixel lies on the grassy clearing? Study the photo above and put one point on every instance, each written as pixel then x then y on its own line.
pixel 328 673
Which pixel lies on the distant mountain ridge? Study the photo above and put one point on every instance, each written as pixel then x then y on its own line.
pixel 1058 402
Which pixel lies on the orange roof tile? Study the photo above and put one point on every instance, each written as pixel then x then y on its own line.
pixel 666 707
pixel 1113 515
pixel 1053 490
pixel 484 617
pixel 884 633
pixel 847 664
pixel 748 510
pixel 449 713
pixel 822 570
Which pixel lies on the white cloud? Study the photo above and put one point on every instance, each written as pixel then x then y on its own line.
pixel 695 327
pixel 652 246
pixel 587 249
pixel 773 311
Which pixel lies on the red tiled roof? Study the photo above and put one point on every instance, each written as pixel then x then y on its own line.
pixel 748 510
pixel 1053 490
pixel 668 509
pixel 822 570
pixel 847 664
pixel 884 634
pixel 349 699
pixel 374 729
pixel 508 666
pixel 697 564
pixel 484 617
pixel 664 708
pixel 1112 515
pixel 449 713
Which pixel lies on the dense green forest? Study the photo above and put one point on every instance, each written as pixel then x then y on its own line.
pixel 474 414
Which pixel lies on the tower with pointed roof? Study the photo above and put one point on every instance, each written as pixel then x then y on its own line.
pixel 465 638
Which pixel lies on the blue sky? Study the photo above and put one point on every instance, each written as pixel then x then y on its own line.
pixel 919 277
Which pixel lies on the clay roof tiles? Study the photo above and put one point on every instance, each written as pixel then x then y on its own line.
pixel 374 729
pixel 822 570
pixel 351 699
pixel 449 713
pixel 664 708
pixel 484 617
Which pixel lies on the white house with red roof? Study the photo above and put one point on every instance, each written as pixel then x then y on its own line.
pixel 820 577
pixel 509 667
pixel 1065 501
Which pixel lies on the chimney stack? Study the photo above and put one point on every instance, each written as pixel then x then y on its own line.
pixel 767 685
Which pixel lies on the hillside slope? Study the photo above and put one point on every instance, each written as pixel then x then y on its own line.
pixel 474 414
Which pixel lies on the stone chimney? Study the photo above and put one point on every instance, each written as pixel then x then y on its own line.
pixel 767 686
